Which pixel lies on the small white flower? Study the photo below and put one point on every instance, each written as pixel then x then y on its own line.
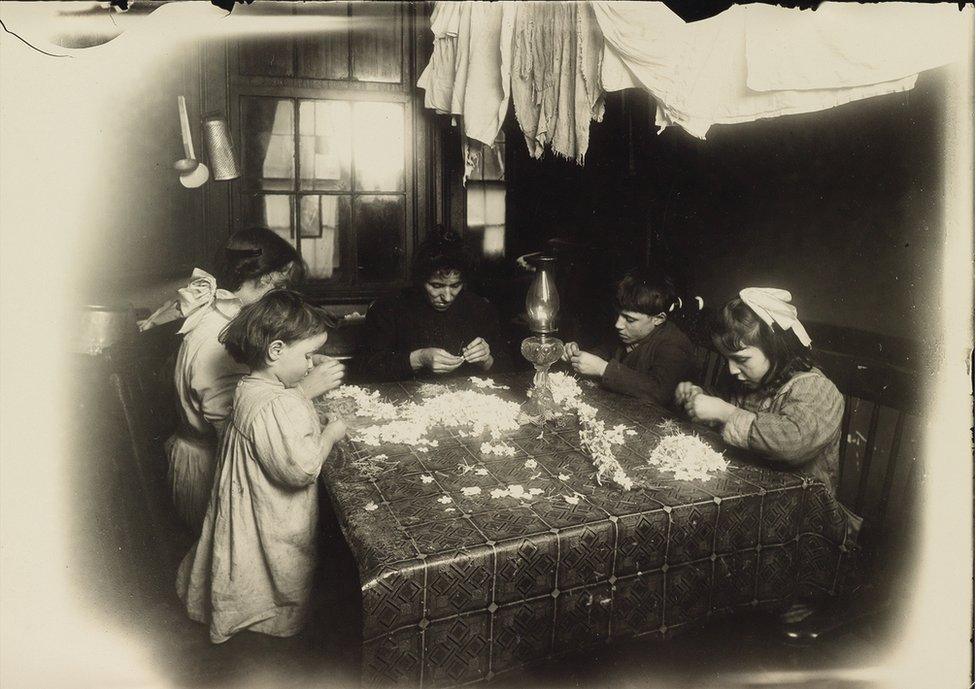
pixel 571 499
pixel 563 477
pixel 450 509
pixel 481 472
pixel 444 500
pixel 472 490
pixel 427 478
pixel 372 506
pixel 631 431
pixel 531 464
pixel 380 457
pixel 535 491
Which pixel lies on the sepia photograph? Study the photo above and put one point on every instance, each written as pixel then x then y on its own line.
pixel 592 344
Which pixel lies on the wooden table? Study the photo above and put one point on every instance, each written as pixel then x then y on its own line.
pixel 459 589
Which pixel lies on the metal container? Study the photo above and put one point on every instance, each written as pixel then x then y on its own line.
pixel 220 150
pixel 100 326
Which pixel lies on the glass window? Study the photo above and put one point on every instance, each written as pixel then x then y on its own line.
pixel 325 221
pixel 325 134
pixel 378 146
pixel 485 191
pixel 269 147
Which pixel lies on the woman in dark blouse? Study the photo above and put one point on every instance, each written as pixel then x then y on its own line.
pixel 435 326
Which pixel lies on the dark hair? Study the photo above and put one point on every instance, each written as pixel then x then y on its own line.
pixel 279 315
pixel 643 294
pixel 442 251
pixel 252 253
pixel 739 327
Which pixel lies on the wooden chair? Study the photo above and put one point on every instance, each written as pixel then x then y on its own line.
pixel 141 375
pixel 880 474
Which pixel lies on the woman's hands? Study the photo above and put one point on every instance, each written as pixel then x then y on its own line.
pixel 436 359
pixel 583 362
pixel 442 361
pixel 326 374
pixel 478 352
pixel 684 392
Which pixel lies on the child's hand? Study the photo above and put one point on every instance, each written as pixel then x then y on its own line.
pixel 326 374
pixel 570 349
pixel 436 359
pixel 588 364
pixel 684 392
pixel 335 429
pixel 707 409
pixel 477 351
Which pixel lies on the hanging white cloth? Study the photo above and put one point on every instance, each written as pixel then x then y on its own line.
pixel 702 73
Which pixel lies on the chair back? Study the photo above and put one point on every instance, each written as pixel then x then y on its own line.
pixel 141 372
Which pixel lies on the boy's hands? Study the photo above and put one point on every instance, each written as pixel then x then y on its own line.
pixel 570 349
pixel 588 364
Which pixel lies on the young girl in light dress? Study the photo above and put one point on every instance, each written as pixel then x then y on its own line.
pixel 253 262
pixel 252 566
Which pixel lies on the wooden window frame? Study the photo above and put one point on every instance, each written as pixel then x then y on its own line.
pixel 422 194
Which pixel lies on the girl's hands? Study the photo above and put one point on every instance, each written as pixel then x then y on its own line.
pixel 326 374
pixel 684 392
pixel 436 359
pixel 335 430
pixel 478 352
pixel 570 349
pixel 708 409
pixel 588 364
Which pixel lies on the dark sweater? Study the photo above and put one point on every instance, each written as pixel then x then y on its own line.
pixel 399 325
pixel 653 369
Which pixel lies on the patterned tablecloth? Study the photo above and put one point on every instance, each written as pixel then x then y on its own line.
pixel 459 588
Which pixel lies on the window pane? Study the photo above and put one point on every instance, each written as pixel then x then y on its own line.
pixel 324 144
pixel 273 211
pixel 324 223
pixel 379 236
pixel 378 146
pixel 485 234
pixel 268 126
pixel 324 56
pixel 376 50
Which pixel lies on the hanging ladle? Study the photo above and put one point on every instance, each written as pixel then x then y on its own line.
pixel 193 173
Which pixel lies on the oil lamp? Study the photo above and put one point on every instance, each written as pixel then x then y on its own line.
pixel 542 350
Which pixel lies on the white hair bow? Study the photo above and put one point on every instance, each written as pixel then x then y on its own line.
pixel 773 305
pixel 199 295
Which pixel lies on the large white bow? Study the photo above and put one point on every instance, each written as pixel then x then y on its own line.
pixel 200 294
pixel 773 305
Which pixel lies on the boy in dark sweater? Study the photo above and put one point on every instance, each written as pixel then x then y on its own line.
pixel 650 354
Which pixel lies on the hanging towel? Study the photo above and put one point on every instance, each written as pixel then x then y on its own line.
pixel 699 73
pixel 556 85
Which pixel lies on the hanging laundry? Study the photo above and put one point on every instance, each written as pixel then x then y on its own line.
pixel 700 75
pixel 849 44
pixel 469 71
pixel 556 86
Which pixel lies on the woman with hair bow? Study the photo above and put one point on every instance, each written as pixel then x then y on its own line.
pixel 254 262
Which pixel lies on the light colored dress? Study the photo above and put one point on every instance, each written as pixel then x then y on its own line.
pixel 206 377
pixel 252 566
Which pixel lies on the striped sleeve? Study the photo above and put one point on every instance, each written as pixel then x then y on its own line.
pixel 807 419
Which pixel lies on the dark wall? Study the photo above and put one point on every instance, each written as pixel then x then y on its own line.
pixel 841 207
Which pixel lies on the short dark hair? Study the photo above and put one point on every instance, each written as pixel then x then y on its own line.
pixel 637 291
pixel 279 315
pixel 252 253
pixel 442 251
pixel 739 327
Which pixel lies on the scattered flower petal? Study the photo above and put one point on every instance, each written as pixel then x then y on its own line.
pixel 564 477
pixel 371 506
pixel 445 500
pixel 471 490
pixel 426 478
pixel 531 464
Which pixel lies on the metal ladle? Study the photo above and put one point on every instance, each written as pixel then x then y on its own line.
pixel 193 173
